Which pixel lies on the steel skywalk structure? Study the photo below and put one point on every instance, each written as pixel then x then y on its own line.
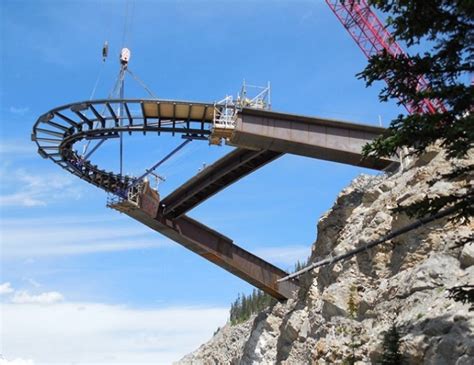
pixel 260 136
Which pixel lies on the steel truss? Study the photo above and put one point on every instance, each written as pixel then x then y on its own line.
pixel 56 132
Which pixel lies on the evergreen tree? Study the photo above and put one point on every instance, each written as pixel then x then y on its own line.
pixel 351 303
pixel 391 347
pixel 445 28
pixel 245 306
pixel 448 26
pixel 352 309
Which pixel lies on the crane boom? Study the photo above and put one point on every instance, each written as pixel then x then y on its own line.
pixel 372 37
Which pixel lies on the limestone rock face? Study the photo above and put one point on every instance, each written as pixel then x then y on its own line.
pixel 403 281
pixel 225 347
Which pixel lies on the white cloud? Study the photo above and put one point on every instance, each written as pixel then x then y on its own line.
pixel 31 189
pixel 92 333
pixel 62 220
pixel 74 235
pixel 23 297
pixel 19 110
pixel 16 148
pixel 5 288
pixel 284 255
pixel 16 362
pixel 25 199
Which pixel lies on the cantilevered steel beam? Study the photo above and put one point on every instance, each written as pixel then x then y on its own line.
pixel 319 138
pixel 222 173
pixel 213 246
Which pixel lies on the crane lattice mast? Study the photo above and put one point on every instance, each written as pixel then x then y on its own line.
pixel 372 37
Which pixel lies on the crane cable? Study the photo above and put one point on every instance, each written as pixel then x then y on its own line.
pixel 116 88
pixel 128 16
pixel 113 93
pixel 99 76
pixel 121 84
pixel 142 84
pixel 122 91
pixel 105 52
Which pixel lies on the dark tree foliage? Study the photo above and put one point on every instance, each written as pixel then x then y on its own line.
pixel 352 309
pixel 448 26
pixel 391 347
pixel 305 280
pixel 246 305
pixel 352 305
pixel 445 28
pixel 463 294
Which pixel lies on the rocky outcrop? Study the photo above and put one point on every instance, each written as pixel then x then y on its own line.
pixel 225 347
pixel 403 281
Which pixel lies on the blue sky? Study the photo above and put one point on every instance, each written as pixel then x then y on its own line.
pixel 63 250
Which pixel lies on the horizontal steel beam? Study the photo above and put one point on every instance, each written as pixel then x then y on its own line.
pixel 319 138
pixel 214 247
pixel 214 178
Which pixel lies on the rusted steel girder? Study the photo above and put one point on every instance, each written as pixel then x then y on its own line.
pixel 211 245
pixel 222 173
pixel 321 138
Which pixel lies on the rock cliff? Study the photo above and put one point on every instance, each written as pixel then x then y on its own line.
pixel 403 281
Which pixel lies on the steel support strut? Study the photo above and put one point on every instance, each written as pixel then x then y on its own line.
pixel 214 178
pixel 211 245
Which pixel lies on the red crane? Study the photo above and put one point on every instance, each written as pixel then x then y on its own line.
pixel 372 37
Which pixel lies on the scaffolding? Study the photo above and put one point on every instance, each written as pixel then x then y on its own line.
pixel 227 109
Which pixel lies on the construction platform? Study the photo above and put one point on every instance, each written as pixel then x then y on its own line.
pixel 261 136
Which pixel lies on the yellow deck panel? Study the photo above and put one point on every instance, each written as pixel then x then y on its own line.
pixel 166 110
pixel 178 111
pixel 182 111
pixel 150 110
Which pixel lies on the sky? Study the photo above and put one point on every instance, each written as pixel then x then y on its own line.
pixel 82 284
